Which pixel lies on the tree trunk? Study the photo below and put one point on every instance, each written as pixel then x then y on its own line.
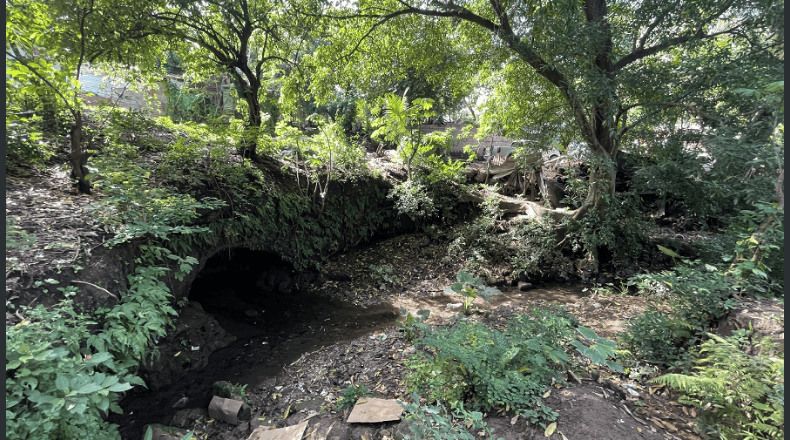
pixel 249 93
pixel 78 157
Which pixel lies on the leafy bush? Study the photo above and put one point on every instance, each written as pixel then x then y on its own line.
pixel 655 337
pixel 741 396
pixel 383 274
pixel 530 248
pixel 398 122
pixel 617 237
pixel 191 103
pixel 57 386
pixel 699 295
pixel 25 145
pixel 413 200
pixel 438 379
pixel 758 264
pixel 143 314
pixel 331 148
pixel 16 237
pixel 601 351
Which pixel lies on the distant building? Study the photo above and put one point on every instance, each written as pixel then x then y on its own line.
pixel 99 87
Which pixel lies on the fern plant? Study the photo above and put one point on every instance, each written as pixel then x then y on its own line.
pixel 496 369
pixel 741 396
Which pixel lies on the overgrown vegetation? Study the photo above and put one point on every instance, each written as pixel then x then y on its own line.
pixel 740 394
pixel 287 172
pixel 470 363
pixel 56 390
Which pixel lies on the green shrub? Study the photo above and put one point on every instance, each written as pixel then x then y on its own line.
pixel 413 326
pixel 16 237
pixel 530 247
pixel 437 379
pixel 413 200
pixel 616 237
pixel 741 395
pixel 699 294
pixel 57 386
pixel 655 337
pixel 25 145
pixel 383 274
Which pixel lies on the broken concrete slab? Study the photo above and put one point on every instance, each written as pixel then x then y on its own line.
pixel 294 432
pixel 228 410
pixel 373 410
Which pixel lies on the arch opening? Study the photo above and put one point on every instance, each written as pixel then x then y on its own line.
pixel 254 314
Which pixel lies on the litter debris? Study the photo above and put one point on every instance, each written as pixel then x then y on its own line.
pixel 228 410
pixel 294 432
pixel 373 410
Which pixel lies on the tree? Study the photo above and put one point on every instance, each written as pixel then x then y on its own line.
pixel 612 64
pixel 69 35
pixel 250 40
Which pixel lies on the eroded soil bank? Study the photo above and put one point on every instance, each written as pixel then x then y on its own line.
pixel 298 351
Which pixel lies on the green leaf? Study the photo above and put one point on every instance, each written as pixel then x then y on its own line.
pixel 615 366
pixel 62 383
pixel 103 404
pixel 465 277
pixel 88 388
pixel 587 333
pixel 669 252
pixel 760 273
pixel 596 358
pixel 119 387
pixel 509 355
pixel 98 358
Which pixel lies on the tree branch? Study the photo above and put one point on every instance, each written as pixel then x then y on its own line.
pixel 672 42
pixel 35 71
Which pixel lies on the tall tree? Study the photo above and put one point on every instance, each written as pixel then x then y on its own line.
pixel 67 35
pixel 613 64
pixel 250 40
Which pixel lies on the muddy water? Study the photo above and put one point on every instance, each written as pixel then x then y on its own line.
pixel 285 327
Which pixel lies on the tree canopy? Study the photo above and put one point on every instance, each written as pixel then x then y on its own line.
pixel 607 66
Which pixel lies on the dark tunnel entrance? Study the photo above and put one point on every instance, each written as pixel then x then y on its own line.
pixel 260 300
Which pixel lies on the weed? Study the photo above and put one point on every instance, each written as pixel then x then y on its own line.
pixel 383 275
pixel 655 337
pixel 470 288
pixel 412 326
pixel 510 369
pixel 351 395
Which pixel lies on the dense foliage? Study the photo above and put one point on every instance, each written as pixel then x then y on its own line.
pixel 692 91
